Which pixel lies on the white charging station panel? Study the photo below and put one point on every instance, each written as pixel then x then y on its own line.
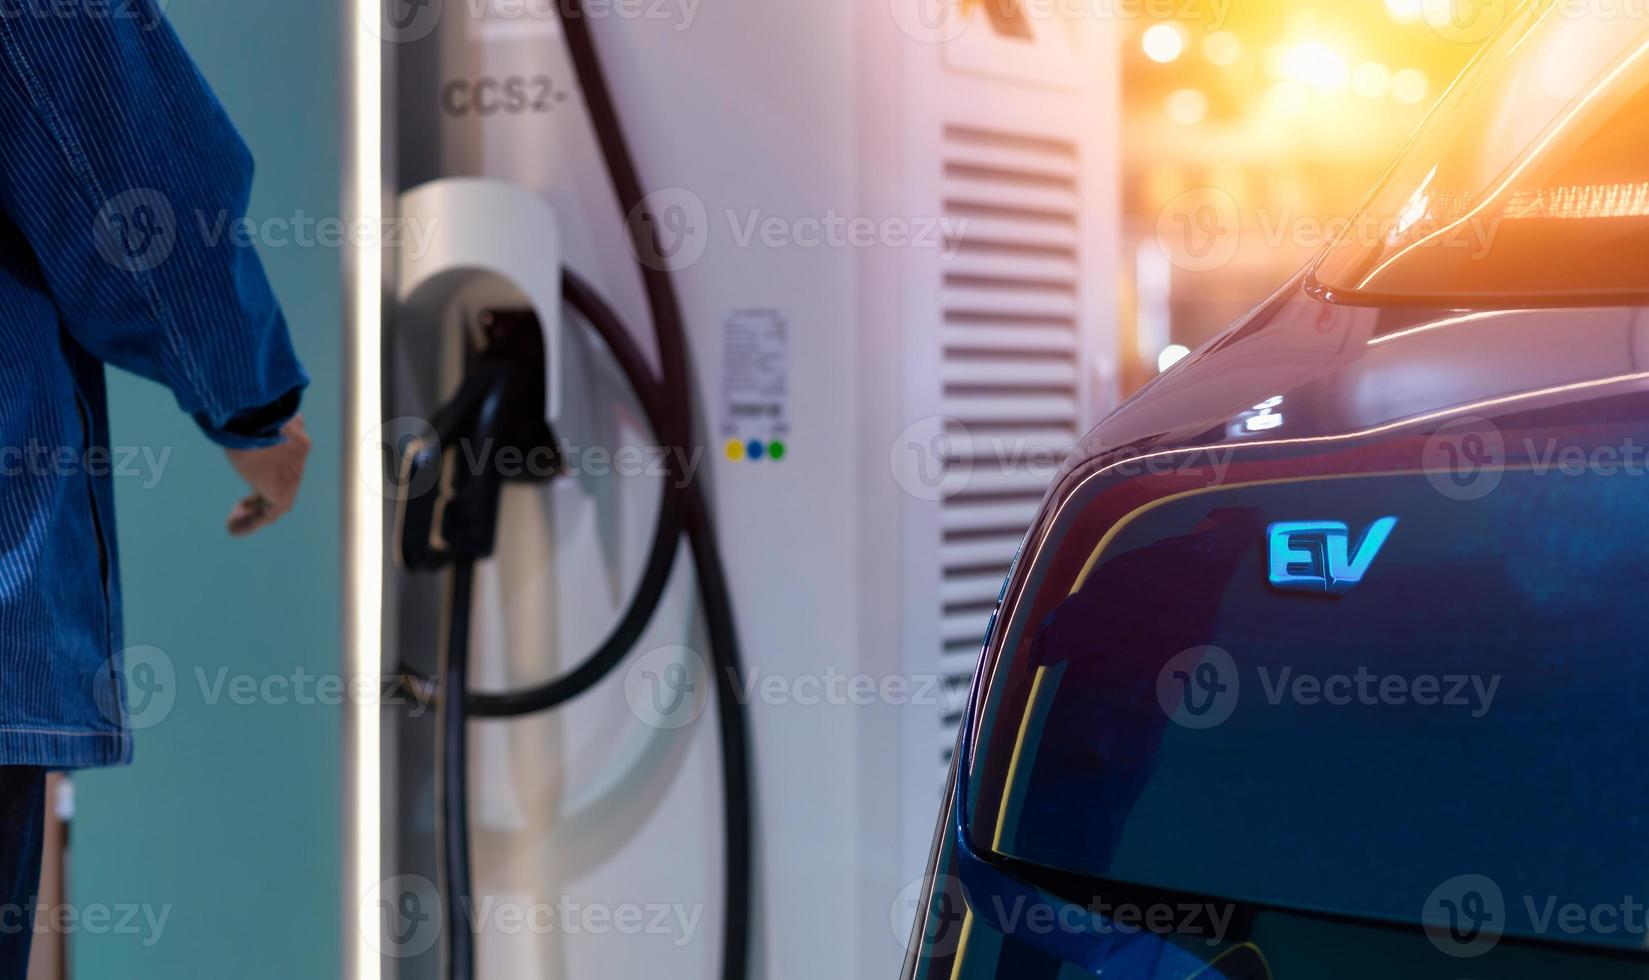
pixel 894 239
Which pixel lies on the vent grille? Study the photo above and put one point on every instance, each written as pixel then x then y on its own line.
pixel 1010 359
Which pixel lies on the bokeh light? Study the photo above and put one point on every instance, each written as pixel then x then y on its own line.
pixel 1222 48
pixel 1288 98
pixel 1371 80
pixel 1163 43
pixel 1279 116
pixel 1315 64
pixel 1410 86
pixel 1405 11
pixel 1186 106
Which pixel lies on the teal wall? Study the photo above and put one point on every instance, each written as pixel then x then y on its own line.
pixel 229 816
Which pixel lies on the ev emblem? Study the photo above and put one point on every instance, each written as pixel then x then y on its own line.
pixel 1317 556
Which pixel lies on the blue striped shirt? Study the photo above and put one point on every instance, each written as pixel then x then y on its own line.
pixel 116 161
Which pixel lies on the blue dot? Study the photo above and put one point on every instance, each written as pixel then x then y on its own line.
pixel 755 450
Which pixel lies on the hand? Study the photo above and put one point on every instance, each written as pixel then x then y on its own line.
pixel 273 474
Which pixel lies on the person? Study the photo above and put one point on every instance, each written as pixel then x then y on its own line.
pixel 119 170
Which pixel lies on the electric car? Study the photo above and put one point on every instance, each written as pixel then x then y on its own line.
pixel 1325 654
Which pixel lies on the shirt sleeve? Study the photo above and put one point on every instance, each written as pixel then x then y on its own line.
pixel 126 176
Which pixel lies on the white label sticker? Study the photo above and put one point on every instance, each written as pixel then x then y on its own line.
pixel 755 384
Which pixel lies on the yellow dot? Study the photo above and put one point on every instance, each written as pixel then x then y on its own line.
pixel 735 450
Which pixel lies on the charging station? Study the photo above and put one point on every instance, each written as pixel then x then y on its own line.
pixel 890 228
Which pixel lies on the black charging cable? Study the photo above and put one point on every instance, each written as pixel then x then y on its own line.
pixel 496 399
pixel 667 529
pixel 716 598
pixel 682 507
pixel 452 773
pixel 500 402
pixel 669 328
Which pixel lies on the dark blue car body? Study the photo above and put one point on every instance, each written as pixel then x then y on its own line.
pixel 1322 657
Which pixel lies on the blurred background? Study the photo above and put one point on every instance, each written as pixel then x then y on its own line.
pixel 1251 133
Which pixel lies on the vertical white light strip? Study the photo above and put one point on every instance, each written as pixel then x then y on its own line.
pixel 364 510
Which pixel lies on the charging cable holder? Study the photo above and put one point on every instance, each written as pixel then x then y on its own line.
pixel 449 478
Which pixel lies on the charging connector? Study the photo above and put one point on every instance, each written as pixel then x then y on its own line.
pixel 499 408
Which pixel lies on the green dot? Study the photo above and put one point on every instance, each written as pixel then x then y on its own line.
pixel 775 450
